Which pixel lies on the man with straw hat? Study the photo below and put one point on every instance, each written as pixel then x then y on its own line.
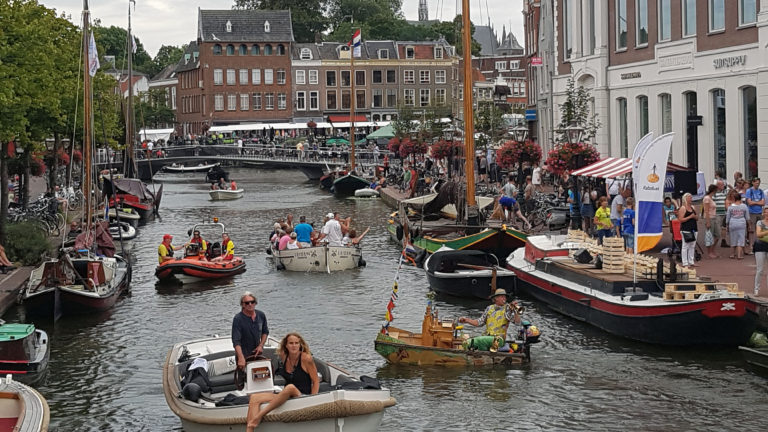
pixel 497 316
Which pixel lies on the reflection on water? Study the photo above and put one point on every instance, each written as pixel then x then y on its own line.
pixel 105 370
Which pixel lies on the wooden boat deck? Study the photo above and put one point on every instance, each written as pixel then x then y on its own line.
pixel 35 415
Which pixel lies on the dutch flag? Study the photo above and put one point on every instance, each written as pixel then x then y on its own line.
pixel 356 43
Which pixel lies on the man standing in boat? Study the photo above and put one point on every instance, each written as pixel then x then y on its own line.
pixel 249 330
pixel 496 317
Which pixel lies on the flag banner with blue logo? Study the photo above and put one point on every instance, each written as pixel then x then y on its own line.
pixel 649 171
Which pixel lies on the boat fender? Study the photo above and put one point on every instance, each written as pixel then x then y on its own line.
pixel 280 266
pixel 192 392
pixel 361 263
pixel 399 232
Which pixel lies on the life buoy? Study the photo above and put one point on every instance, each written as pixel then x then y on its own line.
pixel 399 232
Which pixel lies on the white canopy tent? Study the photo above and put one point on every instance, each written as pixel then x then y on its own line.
pixel 155 134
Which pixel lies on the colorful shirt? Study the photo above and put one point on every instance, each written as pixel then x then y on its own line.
pixel 719 199
pixel 755 195
pixel 229 250
pixel 496 319
pixel 628 221
pixel 303 232
pixel 163 251
pixel 603 216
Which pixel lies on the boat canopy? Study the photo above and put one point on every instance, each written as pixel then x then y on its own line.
pixel 615 167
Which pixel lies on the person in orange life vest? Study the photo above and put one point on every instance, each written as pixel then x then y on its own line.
pixel 233 185
pixel 228 248
pixel 165 250
pixel 197 239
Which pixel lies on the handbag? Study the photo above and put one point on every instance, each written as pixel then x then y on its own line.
pixel 688 236
pixel 709 239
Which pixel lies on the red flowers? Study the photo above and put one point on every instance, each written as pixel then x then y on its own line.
pixel 514 152
pixel 394 145
pixel 442 149
pixel 409 147
pixel 567 157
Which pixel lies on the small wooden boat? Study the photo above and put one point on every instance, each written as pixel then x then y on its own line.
pixel 180 168
pixel 343 403
pixel 467 273
pixel 122 230
pixel 127 215
pixel 347 185
pixel 440 344
pixel 22 408
pixel 196 264
pixel 757 359
pixel 366 193
pixel 318 258
pixel 83 284
pixel 135 194
pixel 24 351
pixel 225 194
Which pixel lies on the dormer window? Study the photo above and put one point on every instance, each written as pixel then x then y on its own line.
pixel 229 27
pixel 383 54
pixel 438 52
pixel 306 54
pixel 410 52
pixel 343 51
pixel 266 27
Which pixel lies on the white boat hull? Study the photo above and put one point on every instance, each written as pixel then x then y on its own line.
pixel 185 169
pixel 329 410
pixel 319 258
pixel 366 193
pixel 224 194
pixel 24 404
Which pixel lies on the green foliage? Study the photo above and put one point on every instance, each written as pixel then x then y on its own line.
pixel 168 55
pixel 309 23
pixel 452 30
pixel 114 41
pixel 488 120
pixel 26 243
pixel 576 110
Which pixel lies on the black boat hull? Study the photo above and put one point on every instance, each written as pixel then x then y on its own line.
pixel 725 321
pixel 348 184
pixel 757 359
pixel 469 287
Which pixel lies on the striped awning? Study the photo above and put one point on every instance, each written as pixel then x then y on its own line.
pixel 615 167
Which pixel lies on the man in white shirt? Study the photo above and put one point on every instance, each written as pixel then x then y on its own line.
pixel 536 179
pixel 332 230
pixel 617 208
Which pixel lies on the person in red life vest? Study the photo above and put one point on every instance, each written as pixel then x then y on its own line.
pixel 165 250
pixel 233 185
pixel 197 239
pixel 228 248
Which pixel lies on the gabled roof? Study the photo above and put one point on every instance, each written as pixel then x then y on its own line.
pixel 373 48
pixel 168 72
pixel 297 48
pixel 246 25
pixel 486 37
pixel 188 60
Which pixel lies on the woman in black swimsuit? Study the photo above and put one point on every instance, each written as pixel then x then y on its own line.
pixel 300 373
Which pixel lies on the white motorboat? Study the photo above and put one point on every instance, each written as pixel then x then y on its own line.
pixel 226 194
pixel 22 408
pixel 123 230
pixel 179 168
pixel 319 258
pixel 366 193
pixel 344 402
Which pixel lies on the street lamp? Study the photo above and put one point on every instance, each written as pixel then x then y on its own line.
pixel 574 133
pixel 520 133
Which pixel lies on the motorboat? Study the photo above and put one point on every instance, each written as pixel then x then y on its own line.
pixel 346 185
pixel 79 284
pixel 22 408
pixel 124 214
pixel 467 273
pixel 366 193
pixel 24 351
pixel 318 258
pixel 197 264
pixel 656 304
pixel 443 343
pixel 180 168
pixel 122 230
pixel 345 402
pixel 226 194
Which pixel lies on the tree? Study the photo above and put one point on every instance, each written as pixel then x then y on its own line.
pixel 114 41
pixel 168 55
pixel 576 111
pixel 153 108
pixel 452 32
pixel 308 21
pixel 489 120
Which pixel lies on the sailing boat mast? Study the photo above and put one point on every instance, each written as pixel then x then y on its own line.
pixel 87 113
pixel 352 106
pixel 469 123
pixel 129 169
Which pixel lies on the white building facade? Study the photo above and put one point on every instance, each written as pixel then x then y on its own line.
pixel 692 67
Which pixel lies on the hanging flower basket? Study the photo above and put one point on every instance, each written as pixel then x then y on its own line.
pixel 36 166
pixel 311 124
pixel 514 152
pixel 567 157
pixel 443 149
pixel 63 157
pixel 77 155
pixel 412 147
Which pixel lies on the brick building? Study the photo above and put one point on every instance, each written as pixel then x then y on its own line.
pixel 237 71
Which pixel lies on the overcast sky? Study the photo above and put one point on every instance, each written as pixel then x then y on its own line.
pixel 174 22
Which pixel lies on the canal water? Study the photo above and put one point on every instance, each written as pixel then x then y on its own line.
pixel 105 371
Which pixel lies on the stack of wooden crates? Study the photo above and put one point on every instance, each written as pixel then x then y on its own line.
pixel 613 255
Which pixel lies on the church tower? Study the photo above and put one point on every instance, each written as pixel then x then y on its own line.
pixel 423 11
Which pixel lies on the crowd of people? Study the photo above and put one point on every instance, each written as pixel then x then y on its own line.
pixel 336 231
